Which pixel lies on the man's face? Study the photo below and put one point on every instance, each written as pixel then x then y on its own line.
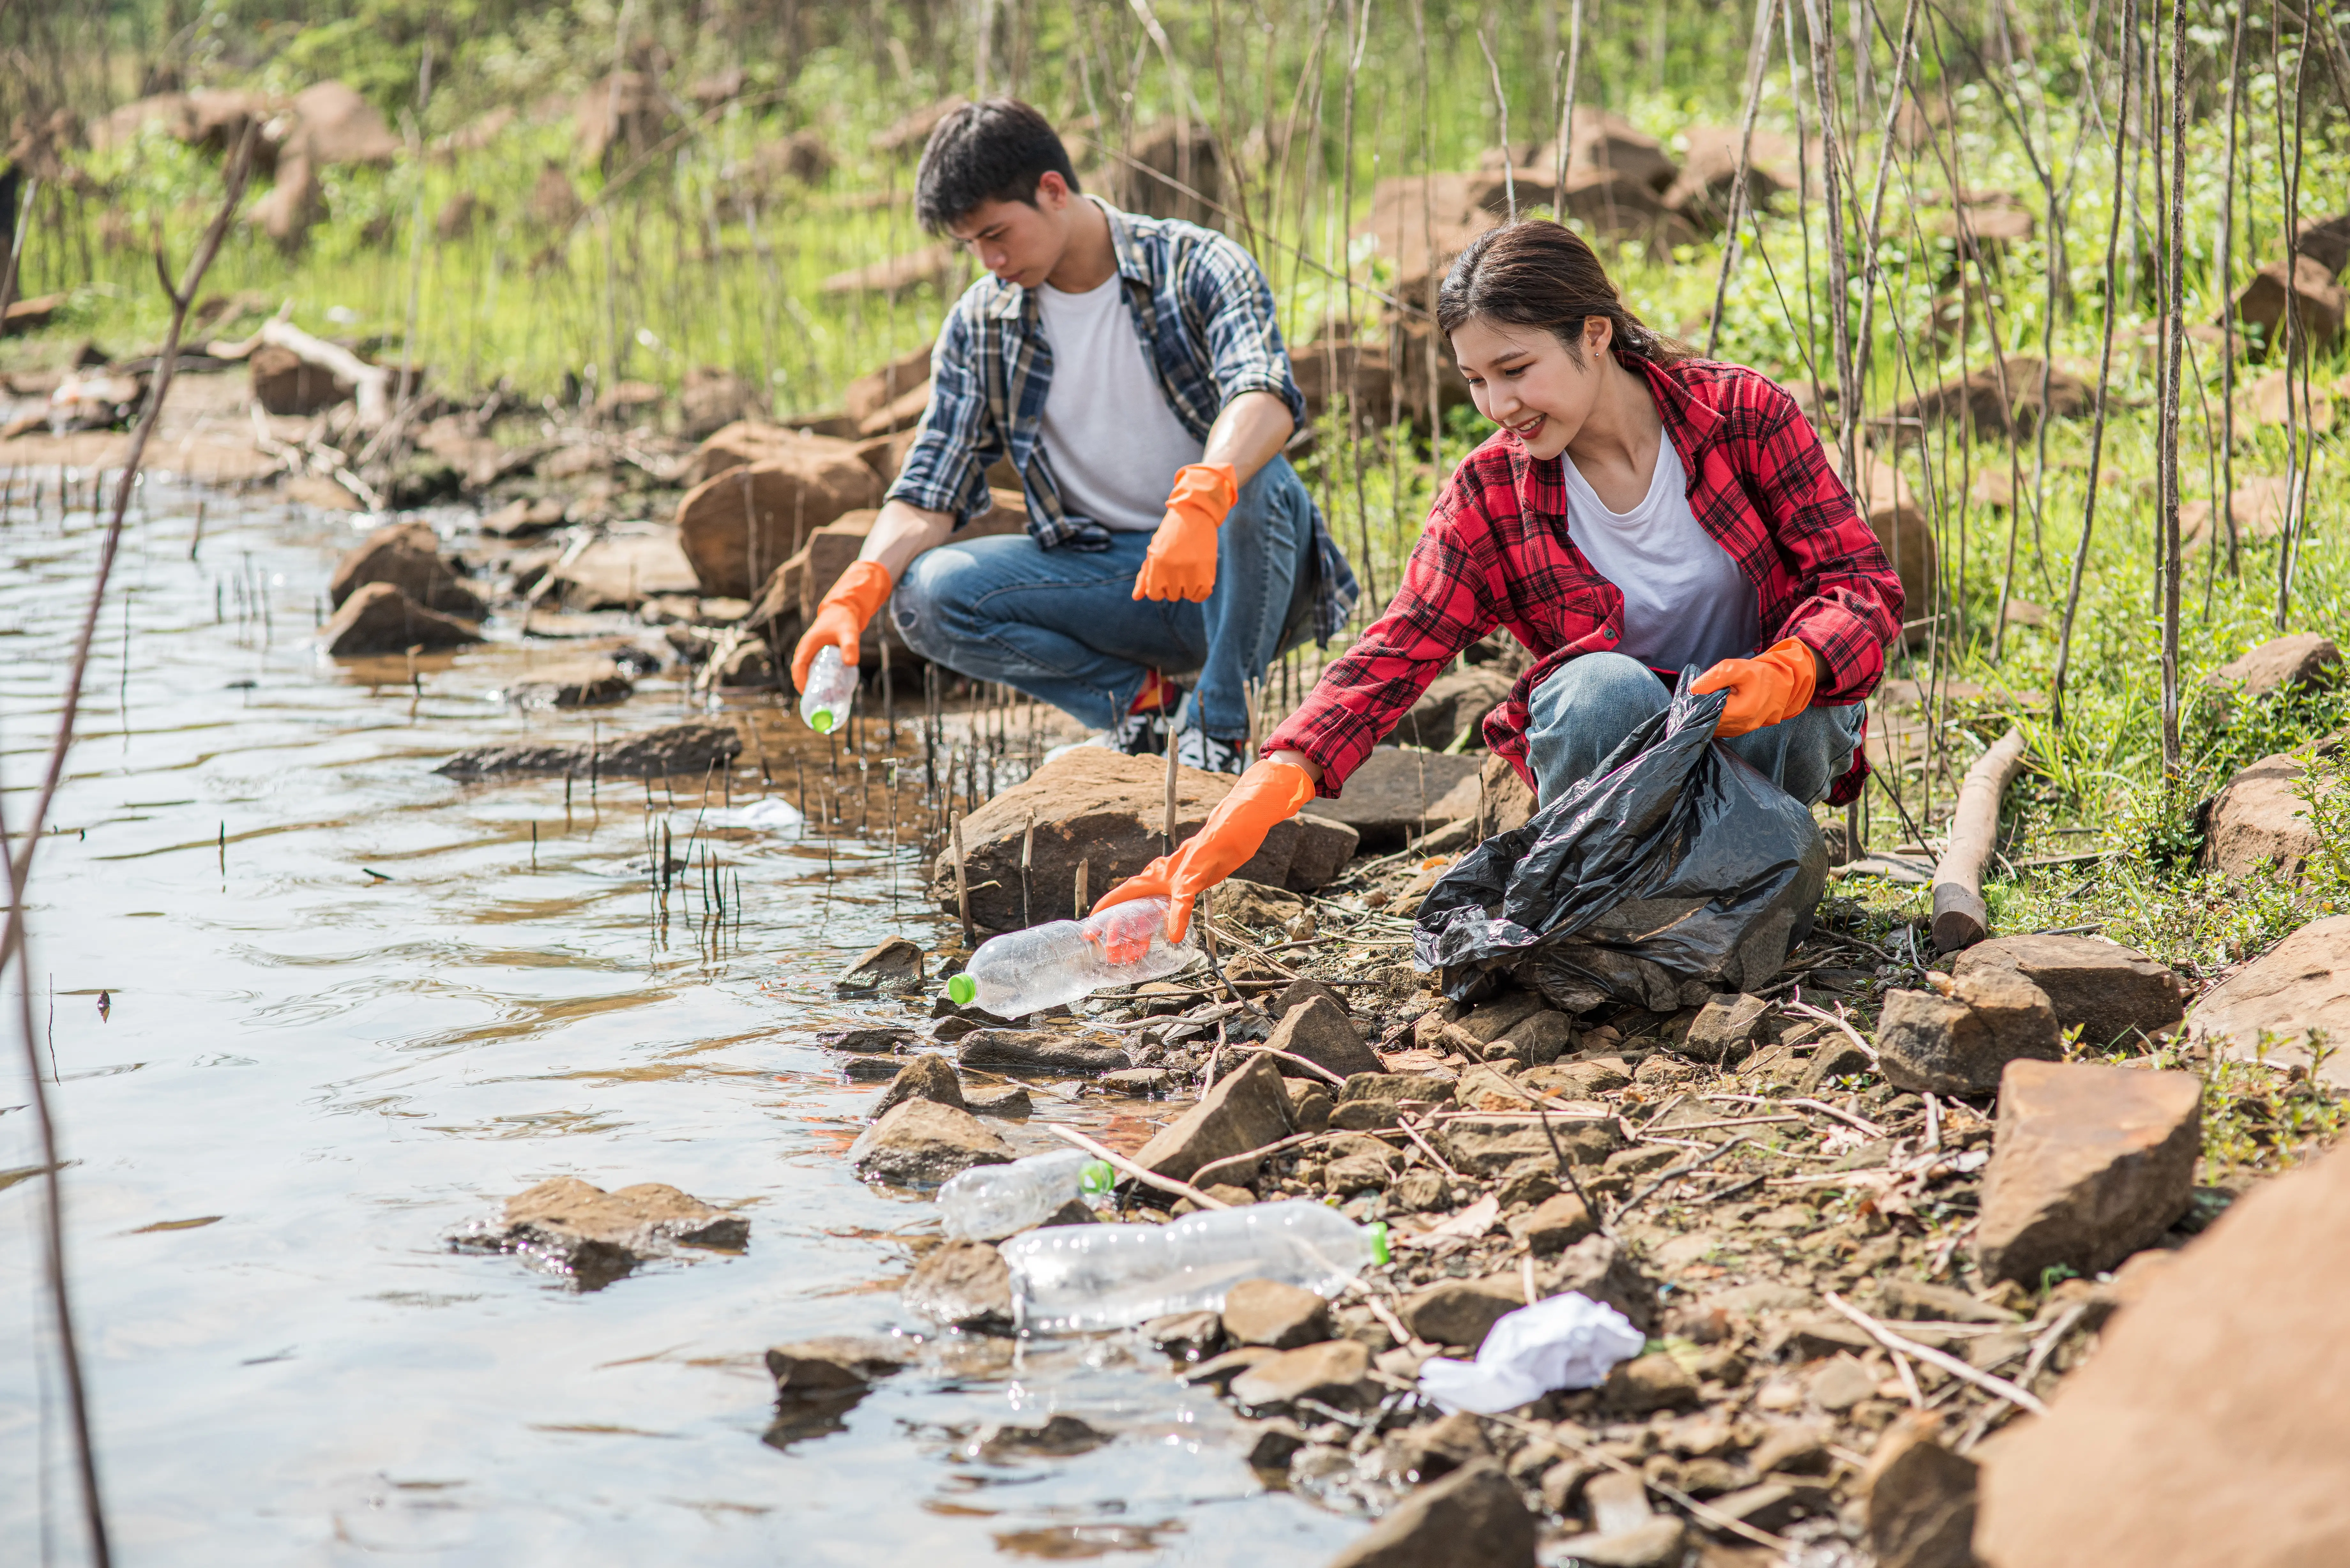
pixel 1019 243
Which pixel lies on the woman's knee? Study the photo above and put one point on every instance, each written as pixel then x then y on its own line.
pixel 1584 688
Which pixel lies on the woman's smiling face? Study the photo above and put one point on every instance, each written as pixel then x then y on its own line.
pixel 1523 379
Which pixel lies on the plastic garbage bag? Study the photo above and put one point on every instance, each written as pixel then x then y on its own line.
pixel 1565 1342
pixel 1674 871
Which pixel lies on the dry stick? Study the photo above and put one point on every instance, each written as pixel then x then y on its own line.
pixel 1758 54
pixel 1566 127
pixel 1675 1174
pixel 2223 505
pixel 1293 1141
pixel 1509 176
pixel 2105 379
pixel 1949 1364
pixel 1823 79
pixel 20 861
pixel 962 884
pixel 2174 365
pixel 1068 1134
pixel 1960 918
pixel 2297 345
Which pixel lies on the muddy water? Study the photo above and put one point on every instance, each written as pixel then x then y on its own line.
pixel 282 1079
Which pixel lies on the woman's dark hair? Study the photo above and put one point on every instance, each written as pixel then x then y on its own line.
pixel 1535 273
pixel 991 151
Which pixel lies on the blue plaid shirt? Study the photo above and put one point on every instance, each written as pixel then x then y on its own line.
pixel 1202 310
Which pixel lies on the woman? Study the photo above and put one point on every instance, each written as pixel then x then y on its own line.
pixel 1638 513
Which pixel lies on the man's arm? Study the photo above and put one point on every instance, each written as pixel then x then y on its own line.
pixel 1249 434
pixel 902 531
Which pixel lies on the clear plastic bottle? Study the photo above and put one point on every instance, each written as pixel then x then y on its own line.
pixel 831 689
pixel 989 1201
pixel 1075 1277
pixel 1045 966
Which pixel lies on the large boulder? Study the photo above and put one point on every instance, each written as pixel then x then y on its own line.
pixel 2256 820
pixel 2268 1010
pixel 739 526
pixel 2089 1165
pixel 2301 660
pixel 2109 991
pixel 381 618
pixel 1957 1045
pixel 2211 1425
pixel 1453 705
pixel 408 555
pixel 885 384
pixel 1104 810
pixel 623 569
pixel 1246 1110
pixel 1397 793
pixel 333 124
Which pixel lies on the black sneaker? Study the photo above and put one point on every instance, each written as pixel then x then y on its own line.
pixel 1136 735
pixel 1198 749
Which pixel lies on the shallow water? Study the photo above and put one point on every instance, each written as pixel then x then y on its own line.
pixel 283 1080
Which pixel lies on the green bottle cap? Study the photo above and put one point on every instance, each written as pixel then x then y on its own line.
pixel 821 720
pixel 1379 1241
pixel 1098 1177
pixel 962 988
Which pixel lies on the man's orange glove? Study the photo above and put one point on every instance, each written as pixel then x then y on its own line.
pixel 1769 688
pixel 1182 563
pixel 1268 793
pixel 840 617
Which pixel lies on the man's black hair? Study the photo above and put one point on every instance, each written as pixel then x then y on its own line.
pixel 993 151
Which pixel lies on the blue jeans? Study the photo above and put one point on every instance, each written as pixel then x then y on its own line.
pixel 1064 625
pixel 1591 702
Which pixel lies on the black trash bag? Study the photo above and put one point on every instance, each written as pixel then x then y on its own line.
pixel 1674 871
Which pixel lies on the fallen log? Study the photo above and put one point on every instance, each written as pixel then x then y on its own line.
pixel 1959 918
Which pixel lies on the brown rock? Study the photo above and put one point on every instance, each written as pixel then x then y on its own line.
pixel 1300 991
pixel 1436 1447
pixel 1536 1040
pixel 1607 1274
pixel 1337 1372
pixel 2107 989
pixel 737 527
pixel 407 556
pixel 623 569
pixel 1956 1045
pixel 1266 1312
pixel 1396 1088
pixel 2257 821
pixel 295 200
pixel 711 398
pixel 1555 1225
pixel 285 383
pixel 2271 1008
pixel 1463 1312
pixel 1480 1148
pixel 2212 1404
pixel 2263 304
pixel 920 1143
pixel 1907 1298
pixel 1321 852
pixel 2090 1165
pixel 962 1284
pixel 2301 660
pixel 1473 1518
pixel 1246 1110
pixel 1393 793
pixel 1977 399
pixel 590 682
pixel 1483 1088
pixel 686 751
pixel 1353 1174
pixel 1920 1499
pixel 1650 1383
pixel 597 1235
pixel 878 387
pixel 1453 705
pixel 929 1076
pixel 1319 1030
pixel 895 961
pixel 333 124
pixel 1489 1021
pixel 1701 192
pixel 1723 1027
pixel 836 1362
pixel 518 519
pixel 1509 801
pixel 1580 1080
pixel 1035 1051
pixel 379 619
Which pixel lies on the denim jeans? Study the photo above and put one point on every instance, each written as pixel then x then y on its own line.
pixel 1591 702
pixel 1064 625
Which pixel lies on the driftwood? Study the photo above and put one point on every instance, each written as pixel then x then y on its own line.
pixel 1960 918
pixel 371 384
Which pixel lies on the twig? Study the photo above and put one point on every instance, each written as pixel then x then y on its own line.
pixel 1068 1134
pixel 1808 1011
pixel 1947 1363
pixel 1675 1174
pixel 1863 1123
pixel 1426 1148
pixel 1292 1141
pixel 1315 1067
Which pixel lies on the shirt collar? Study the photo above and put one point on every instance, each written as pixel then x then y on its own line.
pixel 1133 263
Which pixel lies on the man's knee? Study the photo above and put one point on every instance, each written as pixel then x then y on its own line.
pixel 929 604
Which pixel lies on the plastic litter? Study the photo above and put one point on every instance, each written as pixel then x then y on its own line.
pixel 768 816
pixel 1045 966
pixel 1564 1342
pixel 831 691
pixel 1075 1277
pixel 1675 871
pixel 988 1201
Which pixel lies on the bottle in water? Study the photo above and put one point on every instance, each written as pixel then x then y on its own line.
pixel 989 1201
pixel 831 689
pixel 1046 966
pixel 1077 1277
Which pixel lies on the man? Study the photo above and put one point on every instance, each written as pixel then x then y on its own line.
pixel 1130 369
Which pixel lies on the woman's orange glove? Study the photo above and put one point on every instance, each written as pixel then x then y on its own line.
pixel 1268 793
pixel 1769 688
pixel 1181 562
pixel 840 617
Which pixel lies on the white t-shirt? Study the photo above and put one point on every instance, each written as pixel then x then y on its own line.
pixel 1113 444
pixel 1686 603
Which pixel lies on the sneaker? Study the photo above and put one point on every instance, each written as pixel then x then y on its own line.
pixel 1136 735
pixel 1198 749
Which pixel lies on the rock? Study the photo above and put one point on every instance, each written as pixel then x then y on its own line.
pixel 1138 1080
pixel 1701 192
pixel 1433 1449
pixel 1463 1312
pixel 1091 806
pixel 1483 1088
pixel 687 750
pixel 519 519
pixel 294 201
pixel 1309 1106
pixel 1245 1110
pixel 333 124
pixel 2211 1404
pixel 285 384
pixel 1322 848
pixel 1978 398
pixel 878 387
pixel 572 683
pixel 961 1284
pixel 623 569
pixel 1508 800
pixel 1300 991
pixel 1655 1542
pixel 1420 1192
pixel 2256 821
pixel 597 1236
pixel 1473 1518
pixel 1393 793
pixel 1217 1372
pixel 1187 1336
pixel 2089 1165
pixel 920 1143
pixel 711 399
pixel 1480 1148
pixel 1033 1050
pixel 1919 1497
pixel 2106 989
pixel 1839 1383
pixel 2263 304
pixel 1528 1183
pixel 894 962
pixel 2301 660
pixel 1956 1045
pixel 1008 1100
pixel 1836 1057
pixel 737 527
pixel 1650 1383
pixel 1453 705
pixel 1606 1272
pixel 929 1076
pixel 1557 1224
pixel 1722 1028
pixel 1257 907
pixel 1536 1040
pixel 836 1362
pixel 2288 995
pixel 1266 1312
pixel 1354 1174
pixel 1582 1080
pixel 1489 1021
pixel 1061 1436
pixel 1319 1030
pixel 1780 1501
pixel 379 619
pixel 1907 1298
pixel 1337 1372
pixel 744 665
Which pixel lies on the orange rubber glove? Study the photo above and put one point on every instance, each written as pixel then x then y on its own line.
pixel 1182 563
pixel 1268 793
pixel 1769 688
pixel 840 616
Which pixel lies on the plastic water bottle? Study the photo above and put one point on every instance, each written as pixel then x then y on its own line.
pixel 988 1201
pixel 831 689
pixel 1045 966
pixel 1073 1277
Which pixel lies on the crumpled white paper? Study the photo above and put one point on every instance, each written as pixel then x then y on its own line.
pixel 1565 1342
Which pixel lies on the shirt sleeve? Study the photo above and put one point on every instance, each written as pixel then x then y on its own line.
pixel 1443 605
pixel 1226 295
pixel 946 468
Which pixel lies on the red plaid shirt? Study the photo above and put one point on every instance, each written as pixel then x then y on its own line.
pixel 1496 551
